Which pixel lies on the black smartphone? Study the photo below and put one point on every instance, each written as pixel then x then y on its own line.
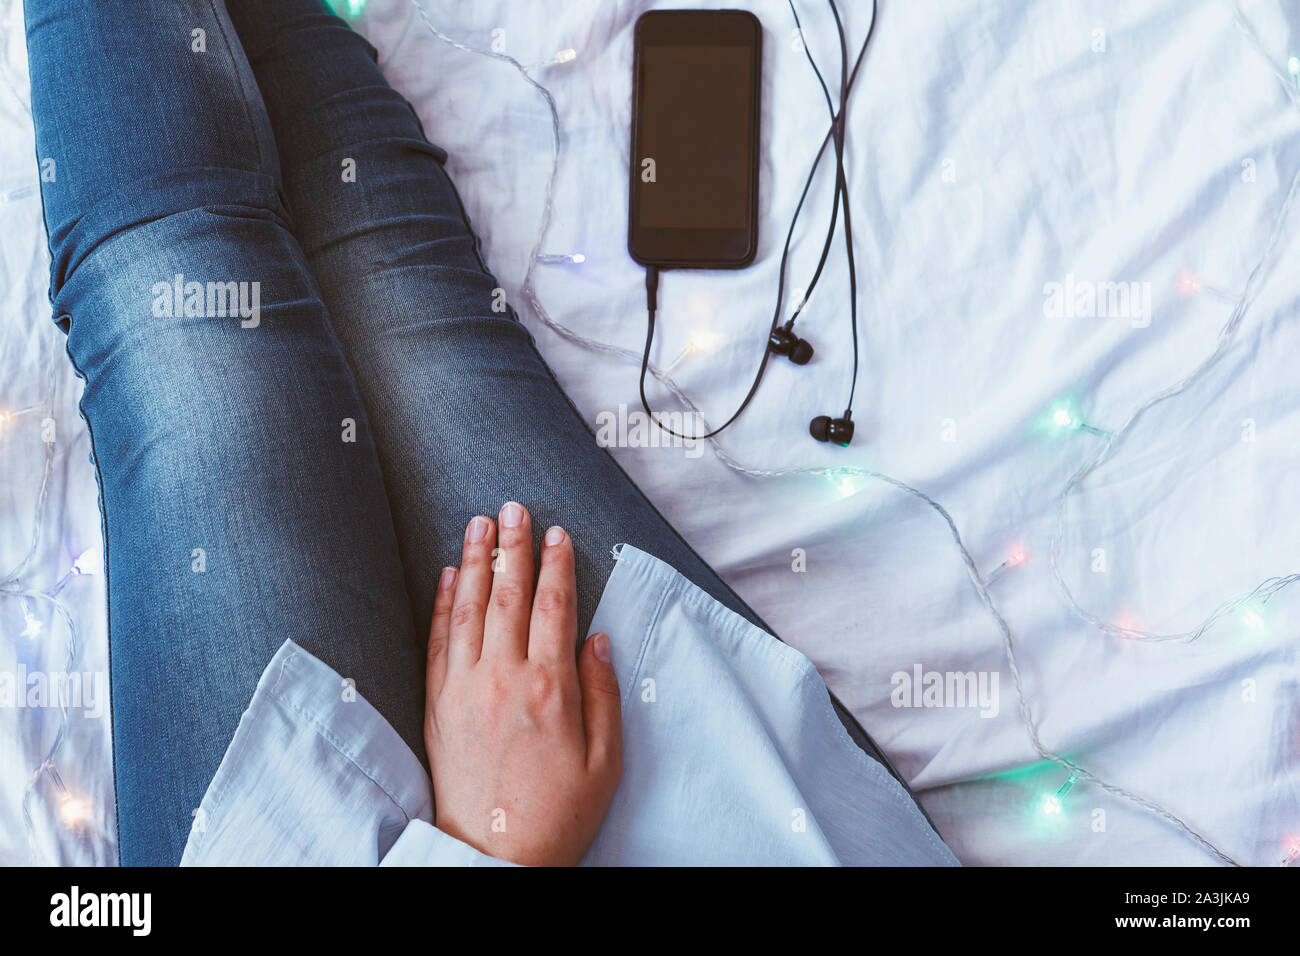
pixel 695 132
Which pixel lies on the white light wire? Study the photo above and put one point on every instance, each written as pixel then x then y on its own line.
pixel 1261 594
pixel 1266 589
pixel 12 584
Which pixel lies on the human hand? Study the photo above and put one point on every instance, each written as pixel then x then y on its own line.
pixel 524 737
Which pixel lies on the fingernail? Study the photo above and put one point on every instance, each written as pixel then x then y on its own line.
pixel 554 535
pixel 512 515
pixel 478 529
pixel 600 646
pixel 448 578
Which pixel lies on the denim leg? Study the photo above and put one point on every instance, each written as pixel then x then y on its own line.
pixel 241 495
pixel 465 412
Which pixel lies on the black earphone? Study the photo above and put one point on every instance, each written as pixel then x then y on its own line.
pixel 838 431
pixel 782 339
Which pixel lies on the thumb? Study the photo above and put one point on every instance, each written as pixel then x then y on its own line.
pixel 601 711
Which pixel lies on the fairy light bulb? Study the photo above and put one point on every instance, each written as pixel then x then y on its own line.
pixel 1014 559
pixel 22 192
pixel 567 55
pixel 702 340
pixel 1054 803
pixel 1188 284
pixel 1292 851
pixel 89 561
pixel 1063 418
pixel 73 811
pixel 1293 66
pixel 34 625
pixel 1125 624
pixel 843 482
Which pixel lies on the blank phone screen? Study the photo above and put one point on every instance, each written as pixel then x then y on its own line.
pixel 694 116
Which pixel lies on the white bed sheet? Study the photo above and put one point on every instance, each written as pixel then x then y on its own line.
pixel 993 149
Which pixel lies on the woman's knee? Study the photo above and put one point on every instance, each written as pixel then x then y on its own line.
pixel 148 220
pixel 214 297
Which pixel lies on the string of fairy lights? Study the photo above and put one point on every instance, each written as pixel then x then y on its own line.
pixel 1062 418
pixel 15 584
pixel 73 811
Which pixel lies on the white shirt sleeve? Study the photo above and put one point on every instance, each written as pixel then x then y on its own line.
pixel 732 755
pixel 423 845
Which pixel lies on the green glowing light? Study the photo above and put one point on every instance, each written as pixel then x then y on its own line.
pixel 1060 417
pixel 1054 803
pixel 348 8
pixel 845 485
pixel 1252 616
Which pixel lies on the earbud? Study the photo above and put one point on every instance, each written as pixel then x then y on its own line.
pixel 783 341
pixel 837 430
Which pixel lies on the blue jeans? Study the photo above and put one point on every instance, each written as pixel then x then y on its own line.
pixel 297 388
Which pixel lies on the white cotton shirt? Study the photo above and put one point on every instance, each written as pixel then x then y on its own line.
pixel 732 755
